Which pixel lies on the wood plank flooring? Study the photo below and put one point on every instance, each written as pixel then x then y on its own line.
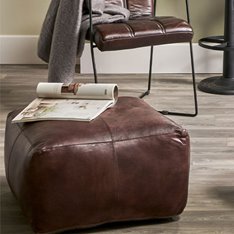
pixel 210 207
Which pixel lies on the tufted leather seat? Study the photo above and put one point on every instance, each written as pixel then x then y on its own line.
pixel 140 32
pixel 143 29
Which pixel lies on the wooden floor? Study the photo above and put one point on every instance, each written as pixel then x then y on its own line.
pixel 210 207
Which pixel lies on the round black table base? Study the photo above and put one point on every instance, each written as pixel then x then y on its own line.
pixel 217 85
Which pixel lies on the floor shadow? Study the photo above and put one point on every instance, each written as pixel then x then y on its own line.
pixel 12 218
pixel 123 226
pixel 224 193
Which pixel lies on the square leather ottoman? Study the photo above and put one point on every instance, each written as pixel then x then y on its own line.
pixel 130 163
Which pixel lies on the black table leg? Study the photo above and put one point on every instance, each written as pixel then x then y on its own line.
pixel 225 83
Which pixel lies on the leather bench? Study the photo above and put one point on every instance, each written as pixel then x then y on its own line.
pixel 130 163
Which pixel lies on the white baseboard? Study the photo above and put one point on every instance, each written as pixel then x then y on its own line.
pixel 174 58
pixel 20 49
pixel 167 59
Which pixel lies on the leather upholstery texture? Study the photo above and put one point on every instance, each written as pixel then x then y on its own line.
pixel 143 28
pixel 140 32
pixel 130 163
pixel 136 7
pixel 140 8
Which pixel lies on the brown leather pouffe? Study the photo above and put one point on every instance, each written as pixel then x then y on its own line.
pixel 130 163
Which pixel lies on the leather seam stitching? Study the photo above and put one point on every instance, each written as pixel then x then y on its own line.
pixel 100 142
pixel 10 156
pixel 116 161
pixel 12 148
pixel 159 23
pixel 130 29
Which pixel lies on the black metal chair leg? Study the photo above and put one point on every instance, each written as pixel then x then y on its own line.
pixel 194 92
pixel 93 61
pixel 165 112
pixel 193 77
pixel 147 92
pixel 91 41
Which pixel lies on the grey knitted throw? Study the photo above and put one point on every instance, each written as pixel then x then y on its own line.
pixel 64 30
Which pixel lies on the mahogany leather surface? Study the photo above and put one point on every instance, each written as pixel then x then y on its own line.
pixel 140 7
pixel 140 32
pixel 130 163
pixel 143 29
pixel 136 7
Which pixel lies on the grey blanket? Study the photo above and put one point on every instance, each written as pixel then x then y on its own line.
pixel 63 33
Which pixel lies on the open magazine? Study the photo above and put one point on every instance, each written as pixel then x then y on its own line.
pixel 75 101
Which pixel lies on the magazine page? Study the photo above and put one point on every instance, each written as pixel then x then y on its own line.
pixel 75 101
pixel 77 90
pixel 62 109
